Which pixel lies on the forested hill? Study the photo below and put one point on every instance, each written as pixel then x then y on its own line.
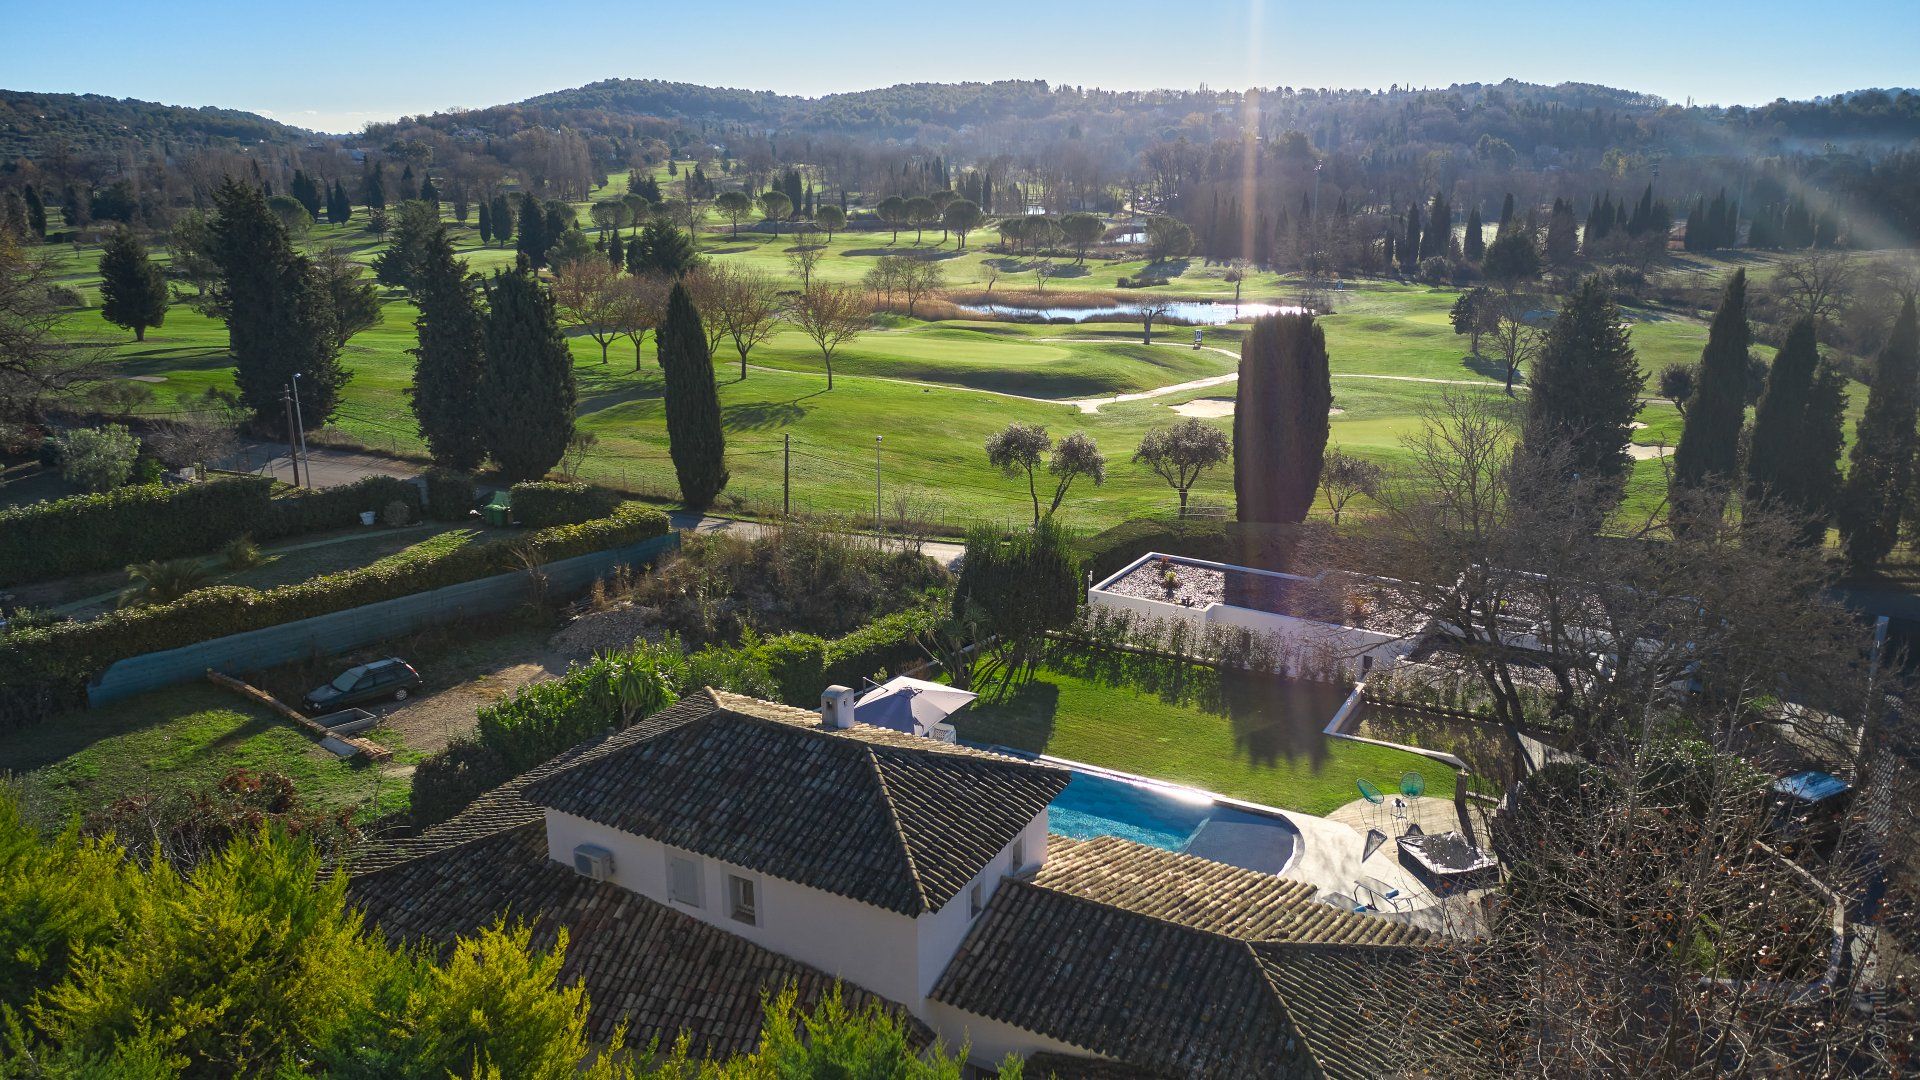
pixel 37 125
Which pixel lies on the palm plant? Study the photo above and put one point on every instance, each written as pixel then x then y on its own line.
pixel 162 581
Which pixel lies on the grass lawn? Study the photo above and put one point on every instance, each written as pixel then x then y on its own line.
pixel 186 738
pixel 1264 745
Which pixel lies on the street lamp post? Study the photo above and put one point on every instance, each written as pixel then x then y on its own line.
pixel 876 486
pixel 300 425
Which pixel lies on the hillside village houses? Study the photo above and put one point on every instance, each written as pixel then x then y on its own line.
pixel 727 848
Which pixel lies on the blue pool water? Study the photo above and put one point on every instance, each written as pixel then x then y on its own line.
pixel 1097 806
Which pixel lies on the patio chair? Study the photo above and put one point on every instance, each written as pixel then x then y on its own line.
pixel 1413 785
pixel 1376 799
pixel 1378 892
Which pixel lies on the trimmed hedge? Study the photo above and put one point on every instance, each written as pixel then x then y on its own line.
pixel 85 533
pixel 539 504
pixel 321 509
pixel 450 494
pixel 67 654
pixel 545 719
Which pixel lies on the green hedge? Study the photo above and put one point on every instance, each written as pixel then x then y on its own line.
pixel 323 509
pixel 1268 547
pixel 86 533
pixel 538 504
pixel 450 494
pixel 545 719
pixel 70 653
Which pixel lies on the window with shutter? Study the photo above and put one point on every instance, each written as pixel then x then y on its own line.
pixel 683 879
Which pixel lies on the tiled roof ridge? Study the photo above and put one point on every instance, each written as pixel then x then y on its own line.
pixel 793 718
pixel 899 831
pixel 1279 1002
pixel 1132 913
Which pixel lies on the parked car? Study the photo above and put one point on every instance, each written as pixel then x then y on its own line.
pixel 390 678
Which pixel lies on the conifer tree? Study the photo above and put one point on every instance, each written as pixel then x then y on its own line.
pixel 1707 458
pixel 280 316
pixel 527 392
pixel 486 222
pixel 1438 237
pixel 502 220
pixel 1883 448
pixel 1280 422
pixel 1475 247
pixel 1794 453
pixel 1585 390
pixel 1506 216
pixel 1410 244
pixel 428 193
pixel 374 191
pixel 133 291
pixel 36 213
pixel 1562 244
pixel 449 365
pixel 533 240
pixel 616 251
pixel 695 439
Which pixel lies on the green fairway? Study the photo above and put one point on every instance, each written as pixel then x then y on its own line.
pixel 1264 746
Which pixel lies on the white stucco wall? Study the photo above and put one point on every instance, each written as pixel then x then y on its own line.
pixel 891 954
pixel 988 1041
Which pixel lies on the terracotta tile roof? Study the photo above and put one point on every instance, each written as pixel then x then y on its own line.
pixel 1208 895
pixel 1361 1011
pixel 1135 978
pixel 1051 1066
pixel 880 816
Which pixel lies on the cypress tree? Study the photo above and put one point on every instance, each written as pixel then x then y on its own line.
pixel 1506 216
pixel 1562 245
pixel 449 365
pixel 1793 455
pixel 1883 448
pixel 695 439
pixel 502 220
pixel 1280 422
pixel 1410 246
pixel 280 318
pixel 1438 236
pixel 429 193
pixel 133 291
pixel 1476 243
pixel 486 222
pixel 616 251
pixel 1585 390
pixel 37 214
pixel 527 392
pixel 1708 456
pixel 374 194
pixel 533 240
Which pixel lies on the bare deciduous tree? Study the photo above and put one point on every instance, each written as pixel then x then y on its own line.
pixel 589 294
pixel 831 315
pixel 747 306
pixel 1343 477
pixel 1815 284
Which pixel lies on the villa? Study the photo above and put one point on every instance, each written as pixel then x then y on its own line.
pixel 726 848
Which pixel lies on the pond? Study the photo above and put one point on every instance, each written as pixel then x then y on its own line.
pixel 1194 312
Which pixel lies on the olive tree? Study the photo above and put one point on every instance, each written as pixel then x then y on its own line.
pixel 1180 453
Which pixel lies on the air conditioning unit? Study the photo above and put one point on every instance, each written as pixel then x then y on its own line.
pixel 594 861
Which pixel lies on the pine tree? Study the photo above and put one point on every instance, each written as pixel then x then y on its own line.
pixel 1793 456
pixel 1476 243
pixel 527 392
pixel 1585 391
pixel 449 365
pixel 280 317
pixel 695 439
pixel 1707 458
pixel 133 291
pixel 1883 448
pixel 1280 423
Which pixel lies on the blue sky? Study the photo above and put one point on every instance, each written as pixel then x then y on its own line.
pixel 337 64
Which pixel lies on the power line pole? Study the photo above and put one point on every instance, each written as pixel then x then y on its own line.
pixel 786 476
pixel 300 425
pixel 876 486
pixel 293 455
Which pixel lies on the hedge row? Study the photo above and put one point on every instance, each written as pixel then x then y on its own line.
pixel 450 494
pixel 82 534
pixel 85 533
pixel 538 504
pixel 545 719
pixel 66 654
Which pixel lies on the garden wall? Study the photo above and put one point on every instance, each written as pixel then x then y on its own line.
pixel 342 630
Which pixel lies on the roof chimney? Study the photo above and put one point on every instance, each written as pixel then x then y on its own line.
pixel 836 707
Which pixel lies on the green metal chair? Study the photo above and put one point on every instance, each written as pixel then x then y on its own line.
pixel 1413 785
pixel 1376 799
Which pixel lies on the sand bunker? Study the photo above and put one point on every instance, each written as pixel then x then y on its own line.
pixel 1212 408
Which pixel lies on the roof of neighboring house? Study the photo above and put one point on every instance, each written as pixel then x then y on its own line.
pixel 1208 895
pixel 890 819
pixel 1173 965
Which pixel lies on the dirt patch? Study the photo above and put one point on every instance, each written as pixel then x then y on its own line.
pixel 606 631
pixel 433 719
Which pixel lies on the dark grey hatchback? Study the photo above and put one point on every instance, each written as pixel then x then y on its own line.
pixel 390 678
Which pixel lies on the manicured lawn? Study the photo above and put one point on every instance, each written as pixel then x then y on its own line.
pixel 1263 744
pixel 184 739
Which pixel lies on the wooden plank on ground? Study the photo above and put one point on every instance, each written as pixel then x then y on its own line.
pixel 342 745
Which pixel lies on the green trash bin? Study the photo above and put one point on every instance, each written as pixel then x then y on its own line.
pixel 499 509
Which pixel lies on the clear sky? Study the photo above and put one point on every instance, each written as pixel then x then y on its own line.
pixel 334 65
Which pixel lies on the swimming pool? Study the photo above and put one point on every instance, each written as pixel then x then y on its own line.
pixel 1173 819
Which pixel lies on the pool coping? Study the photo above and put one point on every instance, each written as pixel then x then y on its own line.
pixel 1152 783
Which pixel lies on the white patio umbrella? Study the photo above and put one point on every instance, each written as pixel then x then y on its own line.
pixel 910 705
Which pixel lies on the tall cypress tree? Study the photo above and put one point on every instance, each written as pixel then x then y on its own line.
pixel 280 317
pixel 486 222
pixel 1506 216
pixel 1410 245
pixel 1883 448
pixel 1475 246
pixel 1708 456
pixel 1280 423
pixel 36 213
pixel 1792 457
pixel 502 220
pixel 1585 390
pixel 533 240
pixel 133 291
pixel 1438 237
pixel 527 394
pixel 695 439
pixel 449 365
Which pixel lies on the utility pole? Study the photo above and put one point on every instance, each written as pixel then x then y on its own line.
pixel 786 476
pixel 876 486
pixel 300 425
pixel 293 455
